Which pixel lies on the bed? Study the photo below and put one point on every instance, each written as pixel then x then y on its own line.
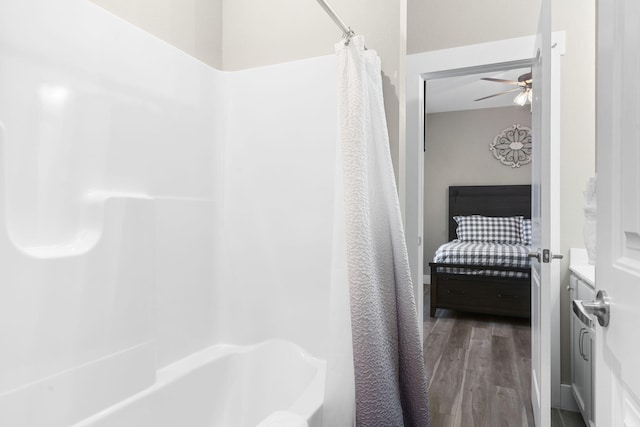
pixel 475 274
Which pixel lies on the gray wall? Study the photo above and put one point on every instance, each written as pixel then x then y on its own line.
pixel 458 154
pixel 434 25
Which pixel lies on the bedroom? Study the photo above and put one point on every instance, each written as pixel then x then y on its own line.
pixel 458 151
pixel 476 135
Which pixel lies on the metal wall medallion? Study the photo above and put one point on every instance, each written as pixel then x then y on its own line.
pixel 512 146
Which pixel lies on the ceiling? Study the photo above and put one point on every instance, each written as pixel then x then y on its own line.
pixel 458 93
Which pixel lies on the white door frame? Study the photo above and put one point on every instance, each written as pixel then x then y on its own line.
pixel 455 61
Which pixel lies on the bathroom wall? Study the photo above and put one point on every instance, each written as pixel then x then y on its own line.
pixel 458 154
pixel 253 33
pixel 436 25
pixel 152 206
pixel 193 26
pixel 577 150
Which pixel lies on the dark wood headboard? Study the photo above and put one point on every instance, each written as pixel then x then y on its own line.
pixel 488 200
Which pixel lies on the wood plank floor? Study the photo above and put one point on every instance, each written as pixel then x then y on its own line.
pixel 478 368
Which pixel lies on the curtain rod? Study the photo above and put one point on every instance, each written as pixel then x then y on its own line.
pixel 347 32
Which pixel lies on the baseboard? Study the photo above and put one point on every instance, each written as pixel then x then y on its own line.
pixel 426 279
pixel 567 401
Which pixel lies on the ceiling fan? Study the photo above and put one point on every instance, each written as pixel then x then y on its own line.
pixel 524 84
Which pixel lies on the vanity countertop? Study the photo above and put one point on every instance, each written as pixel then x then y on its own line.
pixel 579 265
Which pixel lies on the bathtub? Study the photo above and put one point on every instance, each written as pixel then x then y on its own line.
pixel 225 385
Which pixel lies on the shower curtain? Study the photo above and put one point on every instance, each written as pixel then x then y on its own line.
pixel 388 365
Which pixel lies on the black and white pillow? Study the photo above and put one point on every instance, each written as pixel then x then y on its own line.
pixel 478 228
pixel 526 232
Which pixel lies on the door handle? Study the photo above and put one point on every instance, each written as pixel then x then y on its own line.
pixel 537 255
pixel 580 312
pixel 599 308
pixel 548 256
pixel 545 256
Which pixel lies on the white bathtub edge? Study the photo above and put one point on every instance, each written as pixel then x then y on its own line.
pixel 307 405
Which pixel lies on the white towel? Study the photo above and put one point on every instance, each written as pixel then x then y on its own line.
pixel 283 419
pixel 390 379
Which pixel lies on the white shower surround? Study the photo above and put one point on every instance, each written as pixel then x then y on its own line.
pixel 153 207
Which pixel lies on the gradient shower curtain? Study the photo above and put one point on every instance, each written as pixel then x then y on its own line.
pixel 388 365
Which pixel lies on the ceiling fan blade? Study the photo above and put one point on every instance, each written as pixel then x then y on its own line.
pixel 498 94
pixel 510 82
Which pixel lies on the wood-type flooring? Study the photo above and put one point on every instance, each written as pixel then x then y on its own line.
pixel 478 369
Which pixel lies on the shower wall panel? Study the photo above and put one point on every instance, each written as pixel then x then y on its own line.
pixel 111 145
pixel 185 242
pixel 150 206
pixel 278 206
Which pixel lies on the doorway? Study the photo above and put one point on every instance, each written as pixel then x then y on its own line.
pixel 458 61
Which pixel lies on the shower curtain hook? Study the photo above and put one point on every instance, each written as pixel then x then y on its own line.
pixel 347 36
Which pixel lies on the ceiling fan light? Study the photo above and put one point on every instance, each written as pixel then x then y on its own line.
pixel 521 99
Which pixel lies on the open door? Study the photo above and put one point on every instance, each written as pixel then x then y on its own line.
pixel 545 274
pixel 617 371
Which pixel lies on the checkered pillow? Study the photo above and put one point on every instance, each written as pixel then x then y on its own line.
pixel 477 228
pixel 526 232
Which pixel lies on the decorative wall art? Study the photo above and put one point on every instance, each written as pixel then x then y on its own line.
pixel 512 146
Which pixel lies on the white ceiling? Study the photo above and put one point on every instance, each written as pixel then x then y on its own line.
pixel 458 93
